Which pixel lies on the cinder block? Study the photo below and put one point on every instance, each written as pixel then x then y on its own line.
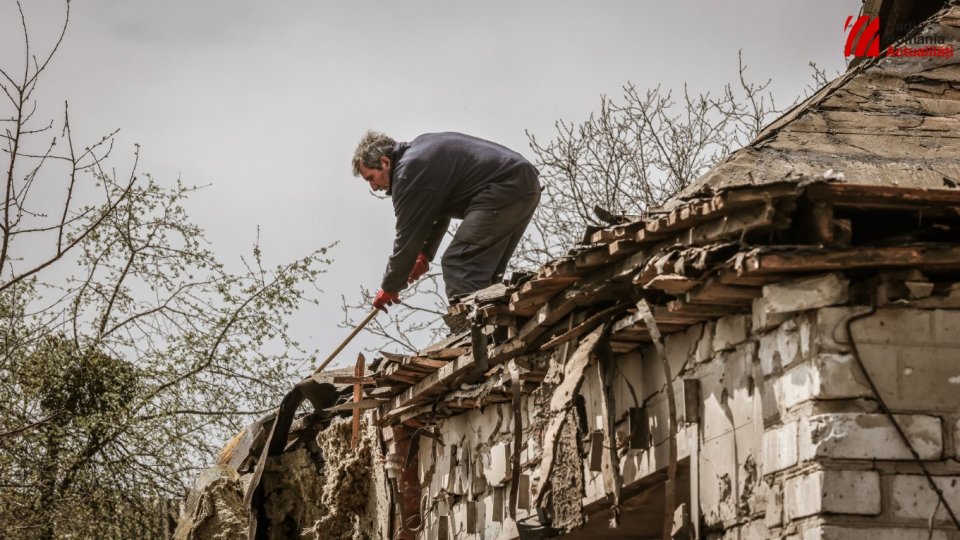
pixel 779 348
pixel 853 532
pixel 912 497
pixel 835 492
pixel 761 320
pixel 682 344
pixel 497 468
pixel 780 448
pixel 730 331
pixel 895 326
pixel 704 350
pixel 806 293
pixel 946 326
pixel 915 377
pixel 774 514
pixel 828 376
pixel 868 436
pixel 831 330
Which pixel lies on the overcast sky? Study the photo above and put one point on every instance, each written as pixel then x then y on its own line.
pixel 265 101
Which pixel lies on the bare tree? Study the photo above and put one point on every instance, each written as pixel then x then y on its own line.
pixel 634 154
pixel 128 352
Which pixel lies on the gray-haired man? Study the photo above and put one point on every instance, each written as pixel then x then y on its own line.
pixel 439 176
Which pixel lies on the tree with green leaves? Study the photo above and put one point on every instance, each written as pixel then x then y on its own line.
pixel 128 351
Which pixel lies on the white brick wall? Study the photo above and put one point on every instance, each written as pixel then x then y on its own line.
pixel 868 436
pixel 912 497
pixel 836 492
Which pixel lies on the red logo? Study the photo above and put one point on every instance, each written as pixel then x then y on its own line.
pixel 863 38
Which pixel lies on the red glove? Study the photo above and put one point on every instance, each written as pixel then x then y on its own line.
pixel 419 268
pixel 384 299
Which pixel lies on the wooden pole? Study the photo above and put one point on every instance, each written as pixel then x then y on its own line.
pixel 353 334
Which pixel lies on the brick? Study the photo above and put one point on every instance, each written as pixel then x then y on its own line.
pixel 780 448
pixel 807 293
pixel 868 436
pixel 761 320
pixel 912 497
pixel 834 492
pixel 730 331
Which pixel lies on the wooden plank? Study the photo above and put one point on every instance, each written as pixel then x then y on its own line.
pixel 928 256
pixel 751 195
pixel 862 196
pixel 587 325
pixel 562 268
pixel 731 277
pixel 446 354
pixel 358 372
pixel 670 283
pixel 733 225
pixel 705 311
pixel 544 285
pixel 622 248
pixel 593 257
pixel 361 380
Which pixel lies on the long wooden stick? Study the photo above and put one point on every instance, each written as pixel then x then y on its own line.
pixel 353 334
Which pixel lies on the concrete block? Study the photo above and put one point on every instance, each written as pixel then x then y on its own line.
pixel 956 439
pixel 835 492
pixel 858 532
pixel 704 350
pixel 497 464
pixel 896 326
pixel 830 327
pixel 761 320
pixel 682 344
pixel 946 326
pixel 868 436
pixel 728 394
pixel 806 293
pixel 780 448
pixel 773 517
pixel 779 348
pixel 726 485
pixel 730 331
pixel 828 376
pixel 912 497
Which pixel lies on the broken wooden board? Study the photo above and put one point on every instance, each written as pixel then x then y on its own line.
pixel 923 257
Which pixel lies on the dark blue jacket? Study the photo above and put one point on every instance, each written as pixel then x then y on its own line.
pixel 439 176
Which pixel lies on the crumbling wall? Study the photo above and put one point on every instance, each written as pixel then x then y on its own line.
pixel 320 489
pixel 214 509
pixel 793 440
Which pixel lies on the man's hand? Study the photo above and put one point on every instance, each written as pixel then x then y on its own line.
pixel 419 268
pixel 384 299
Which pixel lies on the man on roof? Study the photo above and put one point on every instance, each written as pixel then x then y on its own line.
pixel 439 176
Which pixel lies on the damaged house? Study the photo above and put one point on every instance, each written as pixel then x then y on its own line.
pixel 775 353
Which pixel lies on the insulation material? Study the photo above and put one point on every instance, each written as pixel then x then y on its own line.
pixel 565 505
pixel 214 509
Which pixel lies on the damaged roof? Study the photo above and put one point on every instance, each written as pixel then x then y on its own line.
pixel 860 177
pixel 891 121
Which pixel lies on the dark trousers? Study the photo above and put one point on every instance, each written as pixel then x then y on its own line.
pixel 483 245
